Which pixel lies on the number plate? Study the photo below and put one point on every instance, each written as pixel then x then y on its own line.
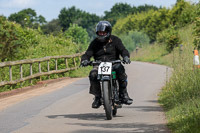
pixel 105 68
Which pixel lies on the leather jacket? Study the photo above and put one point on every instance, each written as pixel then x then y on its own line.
pixel 108 51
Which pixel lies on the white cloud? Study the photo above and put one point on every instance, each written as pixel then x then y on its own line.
pixel 16 3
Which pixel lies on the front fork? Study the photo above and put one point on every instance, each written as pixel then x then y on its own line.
pixel 114 94
pixel 103 78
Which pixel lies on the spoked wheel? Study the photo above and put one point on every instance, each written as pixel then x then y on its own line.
pixel 107 100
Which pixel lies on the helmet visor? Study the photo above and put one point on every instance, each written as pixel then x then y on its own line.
pixel 101 27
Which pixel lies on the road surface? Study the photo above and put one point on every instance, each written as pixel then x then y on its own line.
pixel 68 109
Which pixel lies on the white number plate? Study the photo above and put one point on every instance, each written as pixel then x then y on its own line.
pixel 105 68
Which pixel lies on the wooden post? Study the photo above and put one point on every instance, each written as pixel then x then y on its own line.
pixel 48 69
pixel 31 71
pixel 74 61
pixel 66 63
pixel 10 72
pixel 39 65
pixel 56 63
pixel 21 71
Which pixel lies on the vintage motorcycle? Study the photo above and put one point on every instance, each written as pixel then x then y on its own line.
pixel 109 87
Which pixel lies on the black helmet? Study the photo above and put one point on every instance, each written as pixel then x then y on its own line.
pixel 104 26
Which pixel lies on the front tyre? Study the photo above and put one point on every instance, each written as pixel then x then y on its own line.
pixel 107 99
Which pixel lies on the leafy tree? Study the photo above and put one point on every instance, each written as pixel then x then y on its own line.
pixel 69 16
pixel 77 16
pixel 145 8
pixel 121 10
pixel 150 22
pixel 170 37
pixel 9 39
pixel 78 36
pixel 52 27
pixel 27 18
pixel 117 11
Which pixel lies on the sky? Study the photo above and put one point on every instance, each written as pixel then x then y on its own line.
pixel 50 9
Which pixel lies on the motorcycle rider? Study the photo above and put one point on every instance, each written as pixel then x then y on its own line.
pixel 106 47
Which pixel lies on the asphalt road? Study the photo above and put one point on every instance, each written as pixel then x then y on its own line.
pixel 68 110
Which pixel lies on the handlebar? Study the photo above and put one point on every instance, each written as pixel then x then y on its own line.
pixel 93 63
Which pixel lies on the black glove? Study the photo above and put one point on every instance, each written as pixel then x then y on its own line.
pixel 126 60
pixel 84 62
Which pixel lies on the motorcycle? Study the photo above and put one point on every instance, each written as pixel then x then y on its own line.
pixel 109 87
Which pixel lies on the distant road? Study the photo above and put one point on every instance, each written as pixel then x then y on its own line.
pixel 68 110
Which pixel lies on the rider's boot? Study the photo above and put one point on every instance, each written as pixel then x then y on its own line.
pixel 97 102
pixel 124 97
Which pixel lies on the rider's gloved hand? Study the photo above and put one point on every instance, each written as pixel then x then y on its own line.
pixel 126 60
pixel 84 62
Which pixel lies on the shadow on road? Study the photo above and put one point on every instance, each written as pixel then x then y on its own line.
pixel 87 116
pixel 122 128
pixel 109 126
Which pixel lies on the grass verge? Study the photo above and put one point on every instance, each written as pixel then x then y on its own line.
pixel 181 95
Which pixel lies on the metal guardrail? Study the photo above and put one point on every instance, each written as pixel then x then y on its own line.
pixel 40 73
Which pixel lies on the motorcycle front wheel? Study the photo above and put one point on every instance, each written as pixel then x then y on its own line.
pixel 107 99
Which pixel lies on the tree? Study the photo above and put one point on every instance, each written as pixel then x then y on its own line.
pixel 27 18
pixel 121 10
pixel 117 11
pixel 69 16
pixel 78 35
pixel 9 39
pixel 144 8
pixel 53 27
pixel 77 16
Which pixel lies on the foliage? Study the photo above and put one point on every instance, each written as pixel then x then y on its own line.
pixel 121 10
pixel 9 39
pixel 76 16
pixel 134 39
pixel 52 27
pixel 151 53
pixel 117 11
pixel 27 18
pixel 150 22
pixel 183 13
pixel 180 96
pixel 170 37
pixel 25 43
pixel 155 21
pixel 78 36
pixel 197 33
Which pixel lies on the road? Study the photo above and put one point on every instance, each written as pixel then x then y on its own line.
pixel 68 110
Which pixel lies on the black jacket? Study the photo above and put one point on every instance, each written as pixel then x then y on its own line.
pixel 106 51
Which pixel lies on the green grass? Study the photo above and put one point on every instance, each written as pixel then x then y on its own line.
pixel 181 95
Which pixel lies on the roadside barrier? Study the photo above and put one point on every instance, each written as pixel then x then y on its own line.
pixel 75 58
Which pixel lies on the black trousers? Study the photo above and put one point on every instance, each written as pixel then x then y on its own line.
pixel 95 84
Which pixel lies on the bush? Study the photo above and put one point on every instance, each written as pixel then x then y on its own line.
pixel 134 39
pixel 196 33
pixel 170 37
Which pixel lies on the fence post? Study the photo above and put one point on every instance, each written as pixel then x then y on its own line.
pixel 74 61
pixel 66 63
pixel 56 63
pixel 21 71
pixel 48 69
pixel 39 65
pixel 10 72
pixel 31 71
